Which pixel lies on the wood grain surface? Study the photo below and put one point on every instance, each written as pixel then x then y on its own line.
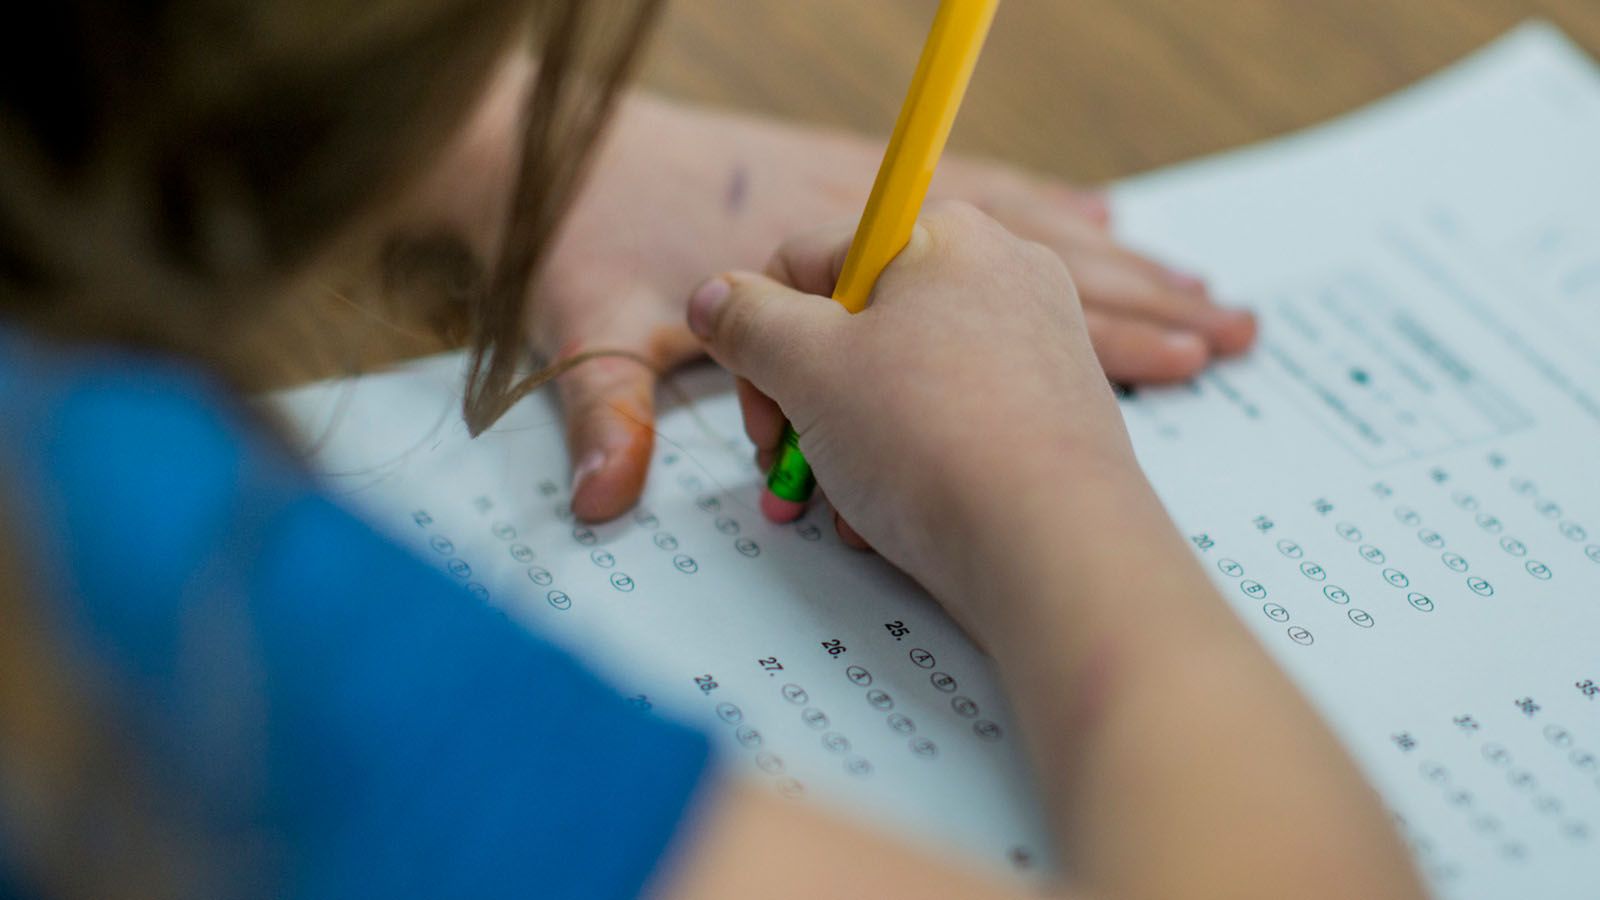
pixel 1087 89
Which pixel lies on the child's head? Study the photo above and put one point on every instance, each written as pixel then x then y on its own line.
pixel 167 168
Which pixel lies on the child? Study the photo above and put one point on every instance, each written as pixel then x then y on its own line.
pixel 214 682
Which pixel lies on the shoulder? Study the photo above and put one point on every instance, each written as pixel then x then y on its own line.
pixel 124 462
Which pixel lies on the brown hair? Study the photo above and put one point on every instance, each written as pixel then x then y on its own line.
pixel 165 169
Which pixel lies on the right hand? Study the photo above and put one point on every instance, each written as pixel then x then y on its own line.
pixel 967 390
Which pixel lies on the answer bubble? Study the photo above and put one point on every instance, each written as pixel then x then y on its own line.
pixel 965 707
pixel 987 730
pixel 834 742
pixel 622 582
pixel 1558 736
pixel 1230 568
pixel 603 559
pixel 858 766
pixel 1348 531
pixel 795 694
pixel 1431 539
pixel 1421 602
pixel 441 544
pixel 558 599
pixel 1275 612
pixel 540 576
pixel 808 531
pixel 747 547
pixel 923 747
pixel 1537 569
pixel 729 713
pixel 921 658
pixel 880 700
pixel 943 682
pixel 1372 554
pixel 1253 589
pixel 685 564
pixel 1454 562
pixel 503 530
pixel 458 568
pixel 1300 635
pixel 1396 578
pixel 1290 549
pixel 1361 617
pixel 585 535
pixel 1313 571
pixel 645 519
pixel 1480 587
pixel 858 676
pixel 900 723
pixel 814 718
pixel 727 525
pixel 522 553
pixel 1336 594
pixel 771 763
pixel 1491 524
pixel 664 540
pixel 748 737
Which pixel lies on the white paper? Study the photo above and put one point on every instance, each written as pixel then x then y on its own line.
pixel 1396 490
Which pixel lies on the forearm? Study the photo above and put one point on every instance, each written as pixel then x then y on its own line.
pixel 1178 759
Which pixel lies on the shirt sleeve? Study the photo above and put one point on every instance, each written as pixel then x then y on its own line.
pixel 436 748
pixel 340 718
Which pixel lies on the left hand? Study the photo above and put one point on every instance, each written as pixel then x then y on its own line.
pixel 678 192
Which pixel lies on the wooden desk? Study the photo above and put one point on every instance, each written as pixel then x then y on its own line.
pixel 1087 89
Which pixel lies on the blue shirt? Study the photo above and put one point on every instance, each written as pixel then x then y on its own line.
pixel 300 689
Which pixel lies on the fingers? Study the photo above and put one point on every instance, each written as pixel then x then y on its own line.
pixel 1121 282
pixel 1115 281
pixel 763 420
pixel 850 536
pixel 1137 351
pixel 610 411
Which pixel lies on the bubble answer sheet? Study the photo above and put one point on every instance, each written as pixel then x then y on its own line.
pixel 1395 490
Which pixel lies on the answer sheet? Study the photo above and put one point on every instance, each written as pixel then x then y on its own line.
pixel 1395 490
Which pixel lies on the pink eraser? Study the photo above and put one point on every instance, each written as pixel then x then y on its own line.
pixel 779 510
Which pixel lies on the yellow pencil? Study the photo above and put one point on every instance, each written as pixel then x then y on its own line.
pixel 948 58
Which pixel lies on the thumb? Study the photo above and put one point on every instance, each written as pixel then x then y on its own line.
pixel 761 330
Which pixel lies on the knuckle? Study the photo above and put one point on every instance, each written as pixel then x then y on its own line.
pixel 955 215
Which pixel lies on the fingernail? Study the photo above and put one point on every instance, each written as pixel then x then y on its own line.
pixel 591 464
pixel 1184 281
pixel 703 305
pixel 1185 343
